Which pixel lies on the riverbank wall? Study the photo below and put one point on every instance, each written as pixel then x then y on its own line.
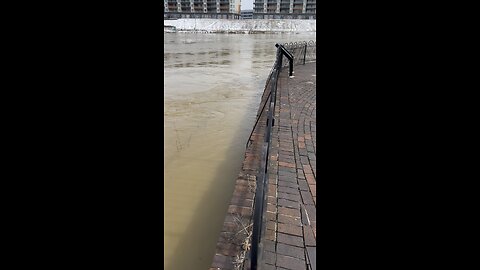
pixel 234 242
pixel 242 26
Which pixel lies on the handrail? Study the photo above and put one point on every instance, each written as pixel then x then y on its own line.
pixel 288 55
pixel 260 203
pixel 278 62
pixel 263 107
pixel 290 49
pixel 262 178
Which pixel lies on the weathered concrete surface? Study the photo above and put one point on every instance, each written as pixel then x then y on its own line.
pixel 242 26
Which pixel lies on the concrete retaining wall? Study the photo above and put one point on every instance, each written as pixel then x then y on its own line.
pixel 242 26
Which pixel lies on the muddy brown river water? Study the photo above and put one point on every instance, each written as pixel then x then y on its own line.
pixel 212 89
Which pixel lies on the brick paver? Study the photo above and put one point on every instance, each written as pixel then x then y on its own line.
pixel 290 238
pixel 293 160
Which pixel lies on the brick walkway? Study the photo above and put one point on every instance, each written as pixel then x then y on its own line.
pixel 290 239
pixel 291 211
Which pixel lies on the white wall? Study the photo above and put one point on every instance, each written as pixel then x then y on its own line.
pixel 219 25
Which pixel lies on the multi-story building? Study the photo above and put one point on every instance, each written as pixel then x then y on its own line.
pixel 216 9
pixel 284 9
pixel 247 14
pixel 235 6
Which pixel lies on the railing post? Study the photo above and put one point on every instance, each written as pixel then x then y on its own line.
pixel 280 58
pixel 288 55
pixel 304 54
pixel 290 70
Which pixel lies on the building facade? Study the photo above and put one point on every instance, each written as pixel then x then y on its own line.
pixel 284 9
pixel 213 9
pixel 247 14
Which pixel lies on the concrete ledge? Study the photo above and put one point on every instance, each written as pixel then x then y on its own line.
pixel 243 26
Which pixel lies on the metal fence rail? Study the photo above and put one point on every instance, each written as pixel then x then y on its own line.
pixel 289 54
pixel 302 52
pixel 258 230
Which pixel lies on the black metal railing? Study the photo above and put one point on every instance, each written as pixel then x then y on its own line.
pixel 298 53
pixel 258 230
pixel 294 53
pixel 302 51
pixel 289 57
pixel 263 99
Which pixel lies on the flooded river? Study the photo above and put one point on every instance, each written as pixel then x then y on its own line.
pixel 212 89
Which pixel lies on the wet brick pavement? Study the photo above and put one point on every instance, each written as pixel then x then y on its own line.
pixel 290 237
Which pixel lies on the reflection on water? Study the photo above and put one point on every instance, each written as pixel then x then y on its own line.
pixel 213 84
